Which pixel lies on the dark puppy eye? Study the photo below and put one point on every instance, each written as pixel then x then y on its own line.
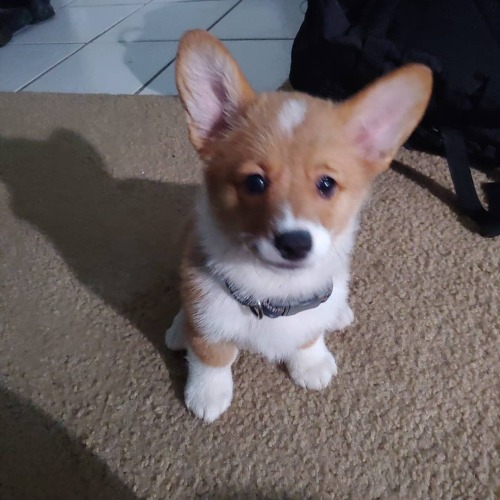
pixel 326 186
pixel 255 184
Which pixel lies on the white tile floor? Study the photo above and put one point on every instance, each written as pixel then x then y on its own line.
pixel 128 46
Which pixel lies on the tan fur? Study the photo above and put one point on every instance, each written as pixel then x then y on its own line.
pixel 216 355
pixel 292 167
pixel 319 146
pixel 310 343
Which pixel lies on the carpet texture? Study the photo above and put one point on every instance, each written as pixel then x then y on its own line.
pixel 94 191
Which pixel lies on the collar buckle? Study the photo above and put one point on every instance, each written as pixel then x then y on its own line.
pixel 260 309
pixel 257 310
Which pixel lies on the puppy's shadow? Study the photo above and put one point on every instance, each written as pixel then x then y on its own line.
pixel 444 194
pixel 121 238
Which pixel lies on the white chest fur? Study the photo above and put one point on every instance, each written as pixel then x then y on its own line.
pixel 221 318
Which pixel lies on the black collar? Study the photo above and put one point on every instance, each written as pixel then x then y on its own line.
pixel 272 309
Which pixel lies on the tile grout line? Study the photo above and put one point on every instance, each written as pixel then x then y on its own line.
pixel 20 89
pixel 156 40
pixel 86 6
pixel 27 44
pixel 172 40
pixel 158 73
pixel 224 15
pixel 76 51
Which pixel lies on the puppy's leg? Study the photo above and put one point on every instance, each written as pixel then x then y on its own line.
pixel 209 387
pixel 313 365
pixel 175 338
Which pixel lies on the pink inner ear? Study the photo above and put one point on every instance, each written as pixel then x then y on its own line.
pixel 366 141
pixel 221 96
pixel 209 103
pixel 381 119
pixel 204 105
pixel 378 135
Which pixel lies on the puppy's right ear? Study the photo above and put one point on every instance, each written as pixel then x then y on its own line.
pixel 211 86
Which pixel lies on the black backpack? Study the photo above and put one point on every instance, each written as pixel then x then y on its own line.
pixel 343 45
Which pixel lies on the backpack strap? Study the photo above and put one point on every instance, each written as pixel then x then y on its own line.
pixel 488 221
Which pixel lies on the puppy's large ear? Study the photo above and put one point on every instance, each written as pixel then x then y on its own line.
pixel 379 119
pixel 211 86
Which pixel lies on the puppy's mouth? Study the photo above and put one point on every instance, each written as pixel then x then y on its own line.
pixel 283 265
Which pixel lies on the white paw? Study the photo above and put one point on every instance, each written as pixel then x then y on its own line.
pixel 345 319
pixel 314 367
pixel 209 390
pixel 174 336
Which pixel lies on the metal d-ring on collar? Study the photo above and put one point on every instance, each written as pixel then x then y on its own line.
pixel 257 309
pixel 271 309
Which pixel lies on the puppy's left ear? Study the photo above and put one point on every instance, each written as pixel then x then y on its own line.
pixel 211 87
pixel 379 119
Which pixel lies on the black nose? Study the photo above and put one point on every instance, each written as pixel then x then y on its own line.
pixel 293 245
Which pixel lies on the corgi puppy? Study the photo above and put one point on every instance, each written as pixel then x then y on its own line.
pixel 266 264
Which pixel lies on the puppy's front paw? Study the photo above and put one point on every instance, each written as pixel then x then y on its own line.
pixel 174 336
pixel 209 390
pixel 313 367
pixel 346 318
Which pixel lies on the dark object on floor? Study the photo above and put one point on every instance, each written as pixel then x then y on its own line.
pixel 343 45
pixel 16 14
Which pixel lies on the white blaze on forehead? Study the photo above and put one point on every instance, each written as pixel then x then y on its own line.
pixel 291 114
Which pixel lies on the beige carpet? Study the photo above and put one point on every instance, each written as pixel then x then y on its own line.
pixel 93 194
